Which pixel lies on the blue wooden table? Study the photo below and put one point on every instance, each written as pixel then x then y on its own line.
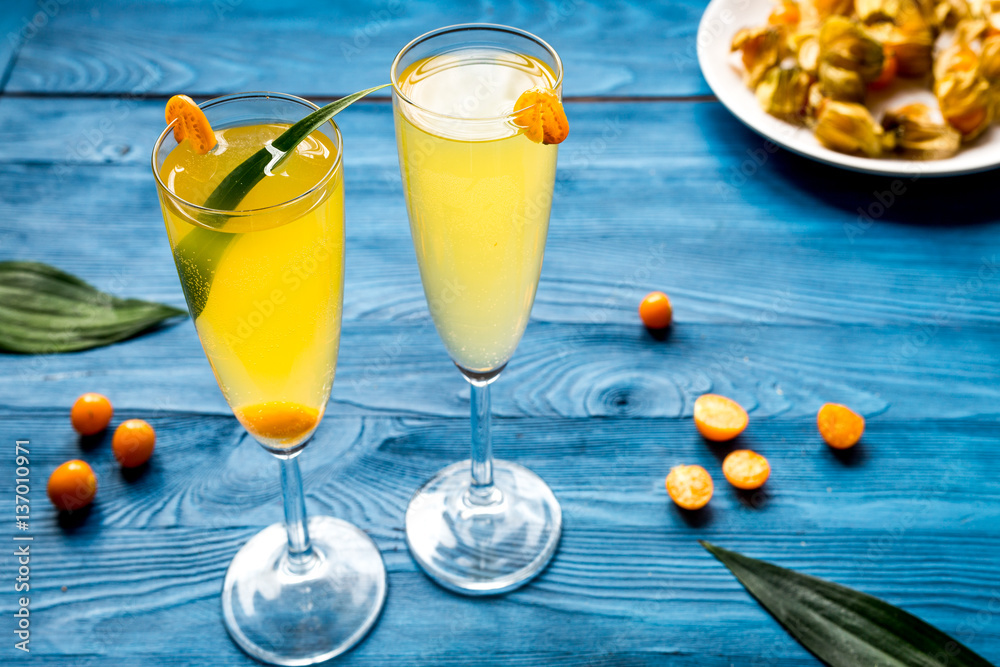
pixel 786 296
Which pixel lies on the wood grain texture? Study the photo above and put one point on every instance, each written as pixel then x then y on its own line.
pixel 646 199
pixel 573 371
pixel 154 548
pixel 310 48
pixel 20 22
pixel 897 320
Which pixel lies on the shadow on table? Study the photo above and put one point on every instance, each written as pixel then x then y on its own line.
pixel 694 518
pixel 913 200
pixel 850 457
pixel 71 521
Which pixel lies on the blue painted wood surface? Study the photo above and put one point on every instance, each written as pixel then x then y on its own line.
pixel 785 297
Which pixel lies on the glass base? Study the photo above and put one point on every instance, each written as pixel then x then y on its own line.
pixel 487 548
pixel 286 614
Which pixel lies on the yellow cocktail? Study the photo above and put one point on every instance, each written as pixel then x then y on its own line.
pixel 270 325
pixel 264 285
pixel 478 193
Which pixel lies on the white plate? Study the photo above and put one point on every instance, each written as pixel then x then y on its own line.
pixel 724 74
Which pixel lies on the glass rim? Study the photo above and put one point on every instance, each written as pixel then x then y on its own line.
pixel 461 27
pixel 223 99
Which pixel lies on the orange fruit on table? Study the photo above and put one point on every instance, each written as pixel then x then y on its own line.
pixel 746 469
pixel 91 413
pixel 840 426
pixel 72 485
pixel 690 486
pixel 719 418
pixel 655 311
pixel 133 443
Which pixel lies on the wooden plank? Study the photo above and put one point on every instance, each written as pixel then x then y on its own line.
pixel 569 370
pixel 310 48
pixel 366 468
pixel 886 320
pixel 897 520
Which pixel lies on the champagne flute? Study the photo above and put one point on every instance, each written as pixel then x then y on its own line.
pixel 478 194
pixel 264 285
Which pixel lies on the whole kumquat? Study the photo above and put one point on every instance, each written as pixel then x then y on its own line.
pixel 91 413
pixel 840 426
pixel 690 486
pixel 72 485
pixel 746 469
pixel 656 311
pixel 281 421
pixel 719 418
pixel 133 443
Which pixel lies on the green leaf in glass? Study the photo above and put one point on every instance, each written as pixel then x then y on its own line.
pixel 198 254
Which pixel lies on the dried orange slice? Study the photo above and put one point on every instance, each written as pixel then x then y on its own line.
pixel 540 112
pixel 191 123
pixel 284 421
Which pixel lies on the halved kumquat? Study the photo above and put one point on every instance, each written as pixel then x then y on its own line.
pixel 746 469
pixel 690 487
pixel 719 418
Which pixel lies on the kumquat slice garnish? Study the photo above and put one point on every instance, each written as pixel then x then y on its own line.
pixel 540 112
pixel 191 123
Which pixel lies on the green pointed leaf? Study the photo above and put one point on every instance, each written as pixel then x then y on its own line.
pixel 44 310
pixel 198 254
pixel 841 626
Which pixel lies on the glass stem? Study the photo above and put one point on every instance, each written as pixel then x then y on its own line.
pixel 300 552
pixel 482 491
